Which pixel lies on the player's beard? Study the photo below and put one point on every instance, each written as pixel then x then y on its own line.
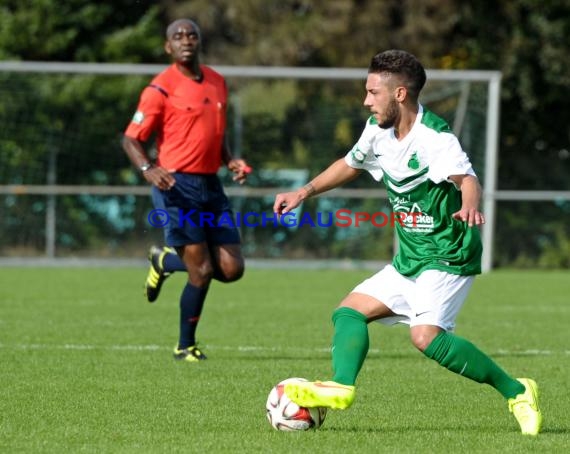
pixel 392 112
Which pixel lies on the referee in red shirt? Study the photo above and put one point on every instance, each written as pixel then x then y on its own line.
pixel 185 107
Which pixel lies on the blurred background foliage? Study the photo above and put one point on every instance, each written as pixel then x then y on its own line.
pixel 307 124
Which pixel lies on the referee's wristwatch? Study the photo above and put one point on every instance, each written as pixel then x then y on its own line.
pixel 146 167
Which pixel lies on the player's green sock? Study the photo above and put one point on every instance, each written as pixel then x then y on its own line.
pixel 350 344
pixel 462 357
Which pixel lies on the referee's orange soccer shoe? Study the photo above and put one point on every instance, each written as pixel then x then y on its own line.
pixel 525 408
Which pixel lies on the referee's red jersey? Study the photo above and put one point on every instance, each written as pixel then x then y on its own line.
pixel 189 119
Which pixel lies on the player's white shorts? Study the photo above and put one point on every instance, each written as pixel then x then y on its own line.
pixel 433 298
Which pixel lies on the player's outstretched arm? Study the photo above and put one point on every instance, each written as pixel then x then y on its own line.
pixel 335 175
pixel 470 200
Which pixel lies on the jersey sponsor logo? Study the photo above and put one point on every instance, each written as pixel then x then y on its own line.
pixel 419 222
pixel 138 117
pixel 413 219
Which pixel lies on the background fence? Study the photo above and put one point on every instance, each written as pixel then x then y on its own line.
pixel 68 190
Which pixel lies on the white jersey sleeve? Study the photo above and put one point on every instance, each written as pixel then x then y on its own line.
pixel 361 156
pixel 448 159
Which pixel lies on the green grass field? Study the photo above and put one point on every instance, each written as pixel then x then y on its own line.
pixel 86 366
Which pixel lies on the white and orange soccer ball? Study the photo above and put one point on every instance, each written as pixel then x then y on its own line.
pixel 283 414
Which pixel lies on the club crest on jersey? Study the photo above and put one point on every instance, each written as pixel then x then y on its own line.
pixel 414 162
pixel 358 155
pixel 138 117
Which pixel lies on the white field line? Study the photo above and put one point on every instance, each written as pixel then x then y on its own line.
pixel 242 348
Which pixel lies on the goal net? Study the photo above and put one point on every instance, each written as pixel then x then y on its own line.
pixel 68 190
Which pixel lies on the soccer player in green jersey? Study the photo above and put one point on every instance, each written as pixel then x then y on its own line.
pixel 433 187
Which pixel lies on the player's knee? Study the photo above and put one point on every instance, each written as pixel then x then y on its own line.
pixel 231 272
pixel 421 339
pixel 202 275
pixel 423 335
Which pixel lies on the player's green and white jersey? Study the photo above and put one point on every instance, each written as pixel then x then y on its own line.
pixel 415 171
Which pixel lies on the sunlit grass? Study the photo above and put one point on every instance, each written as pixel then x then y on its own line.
pixel 86 366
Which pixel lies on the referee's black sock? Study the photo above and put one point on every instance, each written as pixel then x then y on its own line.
pixel 191 304
pixel 171 263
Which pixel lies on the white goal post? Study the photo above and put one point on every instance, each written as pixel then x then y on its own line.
pixel 491 78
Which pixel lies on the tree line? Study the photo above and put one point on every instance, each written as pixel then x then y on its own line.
pixel 524 39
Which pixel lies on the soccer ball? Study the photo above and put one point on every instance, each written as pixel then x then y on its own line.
pixel 283 414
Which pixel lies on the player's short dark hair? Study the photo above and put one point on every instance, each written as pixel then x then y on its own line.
pixel 402 64
pixel 171 29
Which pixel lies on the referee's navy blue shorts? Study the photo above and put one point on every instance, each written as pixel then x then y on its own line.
pixel 198 210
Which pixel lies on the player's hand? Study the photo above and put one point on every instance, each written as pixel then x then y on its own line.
pixel 470 215
pixel 286 202
pixel 240 169
pixel 159 177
